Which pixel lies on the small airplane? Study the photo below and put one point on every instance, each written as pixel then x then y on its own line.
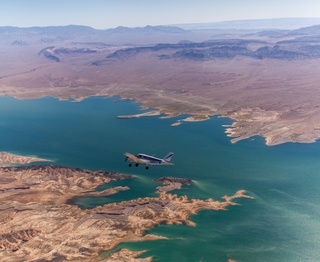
pixel 147 160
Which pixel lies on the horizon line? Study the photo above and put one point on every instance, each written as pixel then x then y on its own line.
pixel 173 25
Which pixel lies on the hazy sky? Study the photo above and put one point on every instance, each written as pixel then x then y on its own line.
pixel 102 14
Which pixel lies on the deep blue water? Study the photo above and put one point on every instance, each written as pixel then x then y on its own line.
pixel 282 223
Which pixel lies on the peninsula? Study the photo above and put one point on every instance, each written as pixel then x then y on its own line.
pixel 9 159
pixel 38 224
pixel 150 113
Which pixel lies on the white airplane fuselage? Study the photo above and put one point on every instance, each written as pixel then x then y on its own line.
pixel 151 160
pixel 148 160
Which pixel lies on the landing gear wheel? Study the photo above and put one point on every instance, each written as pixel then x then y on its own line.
pixel 147 167
pixel 130 165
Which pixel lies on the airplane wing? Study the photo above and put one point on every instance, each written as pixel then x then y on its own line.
pixel 133 158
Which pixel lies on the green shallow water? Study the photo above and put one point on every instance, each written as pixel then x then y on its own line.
pixel 282 223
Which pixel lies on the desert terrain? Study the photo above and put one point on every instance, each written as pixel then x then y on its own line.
pixel 266 81
pixel 38 224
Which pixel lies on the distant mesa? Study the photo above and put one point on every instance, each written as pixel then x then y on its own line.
pixel 52 34
pixel 277 52
pixel 52 53
pixel 77 33
pixel 310 30
pixel 63 50
pixel 255 24
pixel 270 33
pixel 184 42
pixel 19 43
pixel 61 32
pixel 47 40
pixel 304 31
pixel 227 49
pixel 147 29
pixel 49 53
pixel 92 43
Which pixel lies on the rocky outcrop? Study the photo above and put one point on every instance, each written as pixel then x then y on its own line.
pixel 49 53
pixel 171 183
pixel 12 241
pixel 169 179
pixel 227 49
pixel 52 53
pixel 125 255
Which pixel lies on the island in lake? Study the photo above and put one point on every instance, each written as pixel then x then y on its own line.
pixel 37 223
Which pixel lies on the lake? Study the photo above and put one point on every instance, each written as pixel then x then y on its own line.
pixel 281 224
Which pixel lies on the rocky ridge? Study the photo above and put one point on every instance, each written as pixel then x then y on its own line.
pixel 228 49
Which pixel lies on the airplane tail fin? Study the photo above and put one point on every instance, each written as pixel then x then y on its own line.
pixel 168 157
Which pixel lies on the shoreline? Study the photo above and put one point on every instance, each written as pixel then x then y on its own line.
pixel 30 194
pixel 240 129
pixel 150 113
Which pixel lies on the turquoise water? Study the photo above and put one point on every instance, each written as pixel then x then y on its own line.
pixel 281 224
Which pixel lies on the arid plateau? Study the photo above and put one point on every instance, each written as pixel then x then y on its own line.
pixel 266 81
